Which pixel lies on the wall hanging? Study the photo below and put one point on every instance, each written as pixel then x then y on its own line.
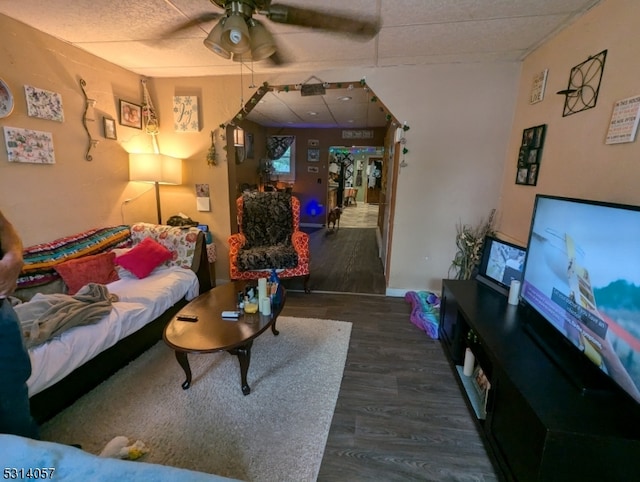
pixel 43 104
pixel 24 145
pixel 6 100
pixel 530 155
pixel 203 199
pixel 109 126
pixel 185 113
pixel 88 104
pixel 624 121
pixel 584 84
pixel 130 114
pixel 537 87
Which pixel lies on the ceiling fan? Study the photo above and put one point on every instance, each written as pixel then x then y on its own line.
pixel 239 36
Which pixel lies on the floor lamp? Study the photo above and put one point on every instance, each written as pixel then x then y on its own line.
pixel 157 169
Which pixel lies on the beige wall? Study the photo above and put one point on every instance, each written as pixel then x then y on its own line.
pixel 576 162
pixel 465 123
pixel 46 201
pixel 49 201
pixel 460 117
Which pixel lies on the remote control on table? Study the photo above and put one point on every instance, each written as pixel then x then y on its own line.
pixel 187 317
pixel 230 314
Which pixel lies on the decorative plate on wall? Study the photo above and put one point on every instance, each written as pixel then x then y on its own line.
pixel 6 100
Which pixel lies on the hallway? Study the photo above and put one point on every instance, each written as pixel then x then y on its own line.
pixel 345 260
pixel 361 215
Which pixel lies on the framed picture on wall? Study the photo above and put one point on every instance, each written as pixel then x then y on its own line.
pixel 530 154
pixel 109 126
pixel 130 114
pixel 248 144
pixel 313 155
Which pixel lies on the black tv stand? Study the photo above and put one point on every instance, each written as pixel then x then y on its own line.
pixel 585 378
pixel 537 425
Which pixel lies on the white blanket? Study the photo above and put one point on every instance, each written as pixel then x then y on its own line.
pixel 140 302
pixel 65 463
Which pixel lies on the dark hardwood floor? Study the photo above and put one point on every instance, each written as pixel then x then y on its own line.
pixel 400 414
pixel 344 260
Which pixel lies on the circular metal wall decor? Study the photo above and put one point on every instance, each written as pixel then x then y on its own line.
pixel 584 84
pixel 6 100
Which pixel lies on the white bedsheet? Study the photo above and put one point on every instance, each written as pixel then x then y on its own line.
pixel 140 302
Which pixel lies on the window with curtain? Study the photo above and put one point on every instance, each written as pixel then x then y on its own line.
pixel 281 152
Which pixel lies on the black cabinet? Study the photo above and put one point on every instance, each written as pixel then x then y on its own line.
pixel 538 424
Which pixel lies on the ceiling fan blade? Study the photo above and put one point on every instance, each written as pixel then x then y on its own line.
pixel 200 19
pixel 332 22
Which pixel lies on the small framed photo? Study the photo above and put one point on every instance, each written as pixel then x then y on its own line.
pixel 313 155
pixel 537 87
pixel 130 114
pixel 109 126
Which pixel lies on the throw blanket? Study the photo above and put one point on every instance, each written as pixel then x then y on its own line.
pixel 425 311
pixel 47 316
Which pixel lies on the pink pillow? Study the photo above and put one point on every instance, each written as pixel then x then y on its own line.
pixel 96 268
pixel 143 258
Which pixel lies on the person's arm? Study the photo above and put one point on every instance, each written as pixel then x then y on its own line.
pixel 11 257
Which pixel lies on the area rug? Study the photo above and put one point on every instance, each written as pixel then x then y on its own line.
pixel 276 433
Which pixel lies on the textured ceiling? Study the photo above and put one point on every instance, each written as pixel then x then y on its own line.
pixel 133 34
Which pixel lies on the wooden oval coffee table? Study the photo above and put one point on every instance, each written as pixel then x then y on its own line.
pixel 211 333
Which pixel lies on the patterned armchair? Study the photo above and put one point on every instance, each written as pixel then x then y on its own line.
pixel 269 237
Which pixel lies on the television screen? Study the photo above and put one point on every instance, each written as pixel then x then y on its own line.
pixel 501 262
pixel 582 274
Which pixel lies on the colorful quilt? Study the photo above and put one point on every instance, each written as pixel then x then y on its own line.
pixel 40 259
pixel 425 311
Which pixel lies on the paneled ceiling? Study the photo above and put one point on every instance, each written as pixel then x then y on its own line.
pixel 133 34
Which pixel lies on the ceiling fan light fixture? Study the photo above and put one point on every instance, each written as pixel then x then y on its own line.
pixel 262 43
pixel 214 41
pixel 243 57
pixel 235 34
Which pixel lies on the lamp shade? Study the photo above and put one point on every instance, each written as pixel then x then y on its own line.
pixel 235 34
pixel 214 41
pixel 262 43
pixel 155 168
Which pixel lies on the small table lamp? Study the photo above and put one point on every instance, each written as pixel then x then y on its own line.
pixel 155 168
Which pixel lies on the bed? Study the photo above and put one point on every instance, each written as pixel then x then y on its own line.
pixel 72 363
pixel 140 302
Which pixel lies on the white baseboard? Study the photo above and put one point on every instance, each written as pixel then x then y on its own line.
pixel 399 292
pixel 396 292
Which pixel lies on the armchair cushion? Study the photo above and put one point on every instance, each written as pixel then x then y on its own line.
pixel 278 256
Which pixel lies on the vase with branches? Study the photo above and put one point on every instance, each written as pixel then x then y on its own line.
pixel 469 242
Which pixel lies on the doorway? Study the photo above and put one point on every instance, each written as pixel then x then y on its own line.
pixel 351 179
pixel 355 182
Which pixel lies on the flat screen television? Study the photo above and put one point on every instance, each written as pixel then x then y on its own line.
pixel 582 277
pixel 501 263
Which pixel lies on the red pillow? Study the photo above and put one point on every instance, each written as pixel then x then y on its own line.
pixel 96 268
pixel 143 258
